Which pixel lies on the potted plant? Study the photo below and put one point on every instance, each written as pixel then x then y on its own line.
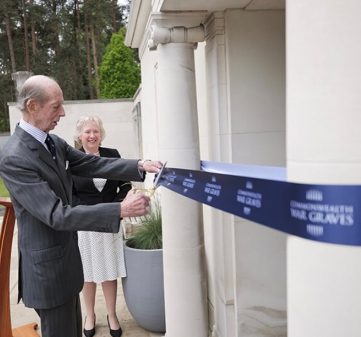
pixel 144 287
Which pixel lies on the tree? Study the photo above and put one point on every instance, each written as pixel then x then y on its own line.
pixel 64 39
pixel 7 10
pixel 119 70
pixel 26 37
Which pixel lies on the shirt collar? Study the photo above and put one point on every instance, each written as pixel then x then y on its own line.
pixel 38 134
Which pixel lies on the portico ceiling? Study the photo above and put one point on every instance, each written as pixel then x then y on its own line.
pixel 141 9
pixel 218 5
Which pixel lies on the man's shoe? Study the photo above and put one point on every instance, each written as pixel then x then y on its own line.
pixel 114 333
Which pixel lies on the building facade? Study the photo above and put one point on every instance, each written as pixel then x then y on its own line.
pixel 261 82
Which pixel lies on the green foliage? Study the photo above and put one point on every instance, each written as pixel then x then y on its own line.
pixel 3 190
pixel 119 70
pixel 149 234
pixel 58 43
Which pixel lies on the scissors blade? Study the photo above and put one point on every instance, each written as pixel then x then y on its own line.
pixel 156 181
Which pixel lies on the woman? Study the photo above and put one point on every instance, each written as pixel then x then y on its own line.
pixel 101 253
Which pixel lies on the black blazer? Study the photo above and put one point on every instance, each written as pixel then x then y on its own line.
pixel 85 192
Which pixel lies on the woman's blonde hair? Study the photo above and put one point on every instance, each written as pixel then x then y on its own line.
pixel 81 123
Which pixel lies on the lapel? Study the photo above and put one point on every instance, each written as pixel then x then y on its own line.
pixel 103 153
pixel 91 181
pixel 39 151
pixel 61 169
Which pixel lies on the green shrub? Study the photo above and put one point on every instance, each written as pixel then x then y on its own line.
pixel 119 71
pixel 149 234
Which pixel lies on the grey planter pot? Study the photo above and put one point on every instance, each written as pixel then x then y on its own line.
pixel 144 287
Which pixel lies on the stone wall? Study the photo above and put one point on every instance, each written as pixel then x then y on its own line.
pixel 120 123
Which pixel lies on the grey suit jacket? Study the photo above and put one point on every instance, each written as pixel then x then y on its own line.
pixel 50 269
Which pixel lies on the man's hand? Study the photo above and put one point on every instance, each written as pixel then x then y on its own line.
pixel 134 204
pixel 150 166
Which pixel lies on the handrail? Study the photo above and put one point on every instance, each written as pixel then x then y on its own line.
pixel 6 239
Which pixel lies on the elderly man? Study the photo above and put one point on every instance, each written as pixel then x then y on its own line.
pixel 37 169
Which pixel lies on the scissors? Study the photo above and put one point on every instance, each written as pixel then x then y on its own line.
pixel 156 180
pixel 151 191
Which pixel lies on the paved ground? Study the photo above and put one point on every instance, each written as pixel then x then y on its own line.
pixel 21 315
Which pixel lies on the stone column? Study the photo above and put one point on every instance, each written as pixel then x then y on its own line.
pixel 323 127
pixel 184 276
pixel 246 94
pixel 218 225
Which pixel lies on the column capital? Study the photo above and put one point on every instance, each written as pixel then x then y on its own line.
pixel 175 35
pixel 175 28
pixel 214 25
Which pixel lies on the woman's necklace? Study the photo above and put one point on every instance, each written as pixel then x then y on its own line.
pixel 94 154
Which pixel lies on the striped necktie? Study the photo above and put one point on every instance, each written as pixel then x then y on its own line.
pixel 51 146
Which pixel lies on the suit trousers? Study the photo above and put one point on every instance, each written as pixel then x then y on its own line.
pixel 65 320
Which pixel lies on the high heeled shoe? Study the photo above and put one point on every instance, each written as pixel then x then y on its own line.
pixel 91 332
pixel 114 333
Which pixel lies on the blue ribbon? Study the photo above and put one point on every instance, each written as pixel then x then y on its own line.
pixel 326 213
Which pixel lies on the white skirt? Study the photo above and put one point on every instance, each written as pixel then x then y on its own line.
pixel 102 255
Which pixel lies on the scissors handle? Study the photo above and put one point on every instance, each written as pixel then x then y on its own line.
pixel 149 191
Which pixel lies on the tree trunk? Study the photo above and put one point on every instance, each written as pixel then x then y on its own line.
pixel 10 42
pixel 95 61
pixel 55 29
pixel 26 38
pixel 88 59
pixel 114 20
pixel 78 60
pixel 77 15
pixel 33 37
pixel 33 34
